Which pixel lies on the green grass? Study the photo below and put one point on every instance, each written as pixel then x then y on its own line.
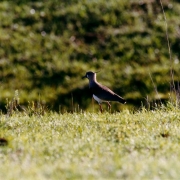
pixel 88 145
pixel 47 46
pixel 45 49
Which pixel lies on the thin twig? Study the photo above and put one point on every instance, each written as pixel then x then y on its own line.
pixel 72 103
pixel 155 88
pixel 169 49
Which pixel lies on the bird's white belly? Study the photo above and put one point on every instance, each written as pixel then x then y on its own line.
pixel 97 99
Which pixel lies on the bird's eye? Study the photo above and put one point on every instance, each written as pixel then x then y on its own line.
pixel 87 76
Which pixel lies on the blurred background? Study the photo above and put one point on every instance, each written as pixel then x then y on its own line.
pixel 47 46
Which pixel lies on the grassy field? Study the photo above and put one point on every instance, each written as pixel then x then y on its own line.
pixel 88 145
pixel 47 46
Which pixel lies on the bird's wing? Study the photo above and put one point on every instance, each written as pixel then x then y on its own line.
pixel 105 93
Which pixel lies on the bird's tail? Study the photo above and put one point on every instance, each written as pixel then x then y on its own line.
pixel 121 100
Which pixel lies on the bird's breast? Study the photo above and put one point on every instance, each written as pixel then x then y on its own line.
pixel 97 99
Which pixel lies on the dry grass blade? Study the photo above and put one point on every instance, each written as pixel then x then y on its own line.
pixel 172 84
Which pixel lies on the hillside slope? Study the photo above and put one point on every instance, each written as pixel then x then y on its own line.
pixel 47 46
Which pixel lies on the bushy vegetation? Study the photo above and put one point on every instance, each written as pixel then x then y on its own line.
pixel 125 145
pixel 46 46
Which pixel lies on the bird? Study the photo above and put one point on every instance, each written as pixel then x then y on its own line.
pixel 100 92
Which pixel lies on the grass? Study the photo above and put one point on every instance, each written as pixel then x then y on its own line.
pixel 125 42
pixel 124 145
pixel 46 46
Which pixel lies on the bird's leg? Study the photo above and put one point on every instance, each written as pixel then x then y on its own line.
pixel 100 106
pixel 109 106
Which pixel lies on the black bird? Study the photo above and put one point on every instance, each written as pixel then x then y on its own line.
pixel 102 93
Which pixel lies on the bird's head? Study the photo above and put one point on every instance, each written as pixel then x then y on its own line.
pixel 90 75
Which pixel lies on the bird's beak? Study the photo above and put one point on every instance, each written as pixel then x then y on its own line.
pixel 84 77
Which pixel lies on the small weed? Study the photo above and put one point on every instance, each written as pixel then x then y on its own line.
pixel 33 108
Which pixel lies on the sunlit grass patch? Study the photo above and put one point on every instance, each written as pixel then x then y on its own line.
pixel 125 145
